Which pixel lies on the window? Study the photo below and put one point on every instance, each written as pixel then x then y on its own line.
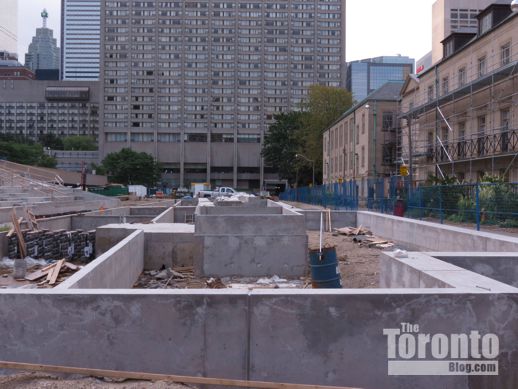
pixel 445 85
pixel 194 137
pixel 485 23
pixel 482 66
pixel 169 138
pixel 462 76
pixel 504 125
pixel 142 137
pixel 222 138
pixel 505 54
pixel 481 121
pixel 387 123
pixel 430 93
pixel 249 138
pixel 363 157
pixel 116 137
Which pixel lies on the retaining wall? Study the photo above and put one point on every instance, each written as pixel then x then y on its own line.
pixel 165 217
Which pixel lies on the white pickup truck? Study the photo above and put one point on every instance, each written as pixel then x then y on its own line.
pixel 223 191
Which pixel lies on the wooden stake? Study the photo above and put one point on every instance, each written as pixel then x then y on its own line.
pixel 19 234
pixel 159 377
pixel 55 271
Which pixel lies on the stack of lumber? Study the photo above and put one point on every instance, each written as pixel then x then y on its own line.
pixel 364 237
pixel 54 273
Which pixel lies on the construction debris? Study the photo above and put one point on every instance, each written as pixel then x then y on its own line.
pixel 364 237
pixel 184 278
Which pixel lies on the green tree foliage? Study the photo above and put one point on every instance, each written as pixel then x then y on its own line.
pixel 130 167
pixel 323 106
pixel 51 141
pixel 282 143
pixel 24 153
pixel 79 143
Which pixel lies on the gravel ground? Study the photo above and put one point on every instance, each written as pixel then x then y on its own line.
pixel 49 381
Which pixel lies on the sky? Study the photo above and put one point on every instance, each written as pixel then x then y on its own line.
pixel 374 28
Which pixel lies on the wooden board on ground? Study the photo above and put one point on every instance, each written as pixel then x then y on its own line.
pixel 160 377
pixel 55 271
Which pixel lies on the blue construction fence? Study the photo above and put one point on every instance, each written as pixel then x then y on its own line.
pixel 475 204
pixel 335 196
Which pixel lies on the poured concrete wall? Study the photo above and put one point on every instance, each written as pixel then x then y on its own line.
pixel 165 217
pixel 422 270
pixel 339 219
pixel 165 244
pixel 87 223
pixel 304 337
pixel 416 234
pixel 117 268
pixel 147 211
pixel 182 214
pixel 502 266
pixel 252 244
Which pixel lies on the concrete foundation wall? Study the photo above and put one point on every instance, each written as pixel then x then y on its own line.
pixel 87 223
pixel 182 214
pixel 416 234
pixel 304 337
pixel 252 245
pixel 339 219
pixel 236 210
pixel 56 223
pixel 147 211
pixel 502 266
pixel 165 217
pixel 117 268
pixel 421 270
pixel 165 244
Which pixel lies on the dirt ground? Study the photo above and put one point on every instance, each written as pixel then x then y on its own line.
pixel 359 266
pixel 50 381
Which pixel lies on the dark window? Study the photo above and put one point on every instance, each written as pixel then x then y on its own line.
pixel 387 123
pixel 195 138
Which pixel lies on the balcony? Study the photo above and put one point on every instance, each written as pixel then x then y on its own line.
pixel 499 143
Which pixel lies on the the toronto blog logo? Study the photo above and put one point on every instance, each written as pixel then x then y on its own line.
pixel 411 352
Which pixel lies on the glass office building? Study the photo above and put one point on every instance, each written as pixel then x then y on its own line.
pixel 367 75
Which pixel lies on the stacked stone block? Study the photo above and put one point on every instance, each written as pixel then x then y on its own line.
pixel 54 245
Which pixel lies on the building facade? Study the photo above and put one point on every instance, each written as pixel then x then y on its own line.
pixel 11 69
pixel 461 116
pixel 43 51
pixel 451 15
pixel 196 84
pixel 36 108
pixel 9 26
pixel 367 75
pixel 364 142
pixel 80 39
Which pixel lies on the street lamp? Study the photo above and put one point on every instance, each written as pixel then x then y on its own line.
pixel 309 160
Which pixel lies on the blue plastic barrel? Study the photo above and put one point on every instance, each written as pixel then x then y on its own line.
pixel 325 272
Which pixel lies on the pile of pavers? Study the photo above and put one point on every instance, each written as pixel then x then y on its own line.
pixel 49 245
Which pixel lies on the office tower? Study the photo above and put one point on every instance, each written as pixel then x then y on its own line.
pixel 367 75
pixel 80 39
pixel 43 51
pixel 196 84
pixel 9 26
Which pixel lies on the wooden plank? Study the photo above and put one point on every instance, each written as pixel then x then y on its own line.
pixel 19 234
pixel 71 266
pixel 37 274
pixel 55 271
pixel 160 377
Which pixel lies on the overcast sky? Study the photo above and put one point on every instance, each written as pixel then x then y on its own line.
pixel 374 28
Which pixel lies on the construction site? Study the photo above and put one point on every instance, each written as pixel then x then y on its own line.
pixel 222 292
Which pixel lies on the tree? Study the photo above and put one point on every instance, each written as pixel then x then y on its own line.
pixel 27 154
pixel 282 143
pixel 51 141
pixel 80 143
pixel 130 167
pixel 323 106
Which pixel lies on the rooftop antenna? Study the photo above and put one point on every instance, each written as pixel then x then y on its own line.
pixel 45 16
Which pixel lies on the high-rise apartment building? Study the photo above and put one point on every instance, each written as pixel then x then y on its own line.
pixel 367 75
pixel 197 83
pixel 452 15
pixel 9 26
pixel 43 51
pixel 80 39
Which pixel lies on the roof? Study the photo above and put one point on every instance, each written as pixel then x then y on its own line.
pixel 389 91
